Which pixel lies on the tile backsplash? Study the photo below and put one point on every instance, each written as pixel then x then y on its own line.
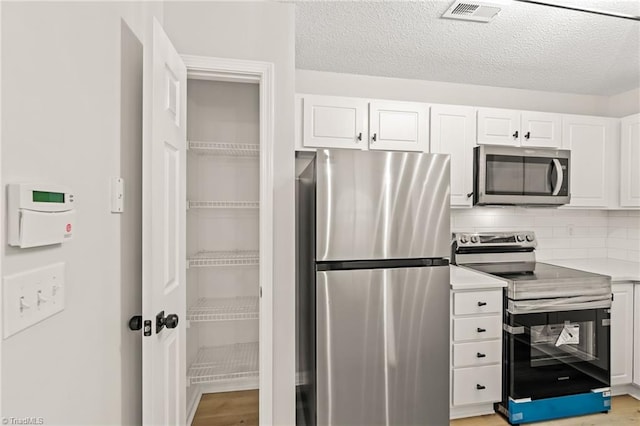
pixel 561 233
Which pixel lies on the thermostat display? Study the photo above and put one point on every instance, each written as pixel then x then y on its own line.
pixel 39 214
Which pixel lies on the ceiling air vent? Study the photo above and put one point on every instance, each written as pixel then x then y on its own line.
pixel 478 11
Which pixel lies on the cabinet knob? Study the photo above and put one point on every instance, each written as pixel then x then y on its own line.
pixel 527 135
pixel 374 137
pixel 480 387
pixel 482 303
pixel 360 136
pixel 481 330
pixel 515 135
pixel 469 195
pixel 480 355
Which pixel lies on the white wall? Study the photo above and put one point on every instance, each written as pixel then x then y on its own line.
pixel 624 235
pixel 328 83
pixel 625 103
pixel 261 31
pixel 561 233
pixel 61 122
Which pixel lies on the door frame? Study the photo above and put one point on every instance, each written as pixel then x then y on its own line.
pixel 261 73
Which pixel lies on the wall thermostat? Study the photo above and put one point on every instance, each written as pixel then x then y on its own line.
pixel 39 214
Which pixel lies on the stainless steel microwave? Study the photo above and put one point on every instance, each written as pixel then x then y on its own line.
pixel 505 175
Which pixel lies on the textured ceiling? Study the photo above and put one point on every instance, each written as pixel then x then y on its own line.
pixel 527 46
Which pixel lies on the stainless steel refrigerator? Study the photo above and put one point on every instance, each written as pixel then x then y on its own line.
pixel 373 240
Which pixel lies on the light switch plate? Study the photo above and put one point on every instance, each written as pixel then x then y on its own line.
pixel 32 296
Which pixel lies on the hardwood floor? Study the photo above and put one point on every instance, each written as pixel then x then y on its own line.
pixel 227 409
pixel 625 411
pixel 241 408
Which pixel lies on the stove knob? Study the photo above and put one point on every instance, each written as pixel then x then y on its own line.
pixel 520 238
pixel 529 238
pixel 474 239
pixel 464 239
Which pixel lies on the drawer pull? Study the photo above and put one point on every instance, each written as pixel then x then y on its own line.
pixel 480 387
pixel 482 303
pixel 480 355
pixel 481 330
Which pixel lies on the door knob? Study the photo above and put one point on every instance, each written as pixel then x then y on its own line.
pixel 170 321
pixel 135 323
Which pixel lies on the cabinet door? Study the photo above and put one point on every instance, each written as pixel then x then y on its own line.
pixel 588 139
pixel 399 126
pixel 453 132
pixel 622 334
pixel 630 162
pixel 498 126
pixel 541 129
pixel 334 122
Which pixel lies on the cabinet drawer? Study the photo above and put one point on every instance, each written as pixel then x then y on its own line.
pixel 477 328
pixel 477 353
pixel 477 302
pixel 477 384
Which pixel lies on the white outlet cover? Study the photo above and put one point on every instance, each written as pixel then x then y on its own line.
pixel 48 280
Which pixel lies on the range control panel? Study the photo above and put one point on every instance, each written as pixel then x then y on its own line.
pixel 496 239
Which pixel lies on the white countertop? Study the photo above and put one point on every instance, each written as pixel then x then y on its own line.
pixel 618 270
pixel 465 279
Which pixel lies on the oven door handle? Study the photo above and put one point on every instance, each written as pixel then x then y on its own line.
pixel 559 177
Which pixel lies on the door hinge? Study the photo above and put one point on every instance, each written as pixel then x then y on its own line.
pixel 261 292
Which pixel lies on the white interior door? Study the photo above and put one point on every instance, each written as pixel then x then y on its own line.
pixel 164 184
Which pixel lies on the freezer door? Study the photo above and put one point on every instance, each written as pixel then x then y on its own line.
pixel 382 205
pixel 383 346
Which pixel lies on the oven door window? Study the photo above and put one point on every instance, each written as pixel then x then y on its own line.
pixel 559 353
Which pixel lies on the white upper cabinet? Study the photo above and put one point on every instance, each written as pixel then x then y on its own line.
pixel 356 123
pixel 453 132
pixel 334 122
pixel 541 129
pixel 622 334
pixel 589 139
pixel 498 126
pixel 519 128
pixel 399 126
pixel 630 162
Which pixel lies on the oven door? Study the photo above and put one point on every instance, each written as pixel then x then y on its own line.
pixel 511 175
pixel 556 353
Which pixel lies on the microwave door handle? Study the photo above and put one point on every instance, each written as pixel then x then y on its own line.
pixel 559 177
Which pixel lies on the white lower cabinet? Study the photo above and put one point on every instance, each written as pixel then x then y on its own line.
pixel 476 349
pixel 622 334
pixel 477 384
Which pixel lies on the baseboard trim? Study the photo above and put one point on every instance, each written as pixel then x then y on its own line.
pixel 629 389
pixel 470 411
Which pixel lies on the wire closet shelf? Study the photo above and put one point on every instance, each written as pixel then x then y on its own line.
pixel 224 258
pixel 225 149
pixel 229 362
pixel 224 309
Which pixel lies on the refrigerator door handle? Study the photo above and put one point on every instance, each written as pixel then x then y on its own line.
pixel 390 329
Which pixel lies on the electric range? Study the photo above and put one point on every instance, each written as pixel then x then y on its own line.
pixel 556 328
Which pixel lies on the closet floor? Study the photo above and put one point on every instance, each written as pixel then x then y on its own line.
pixel 625 410
pixel 227 409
